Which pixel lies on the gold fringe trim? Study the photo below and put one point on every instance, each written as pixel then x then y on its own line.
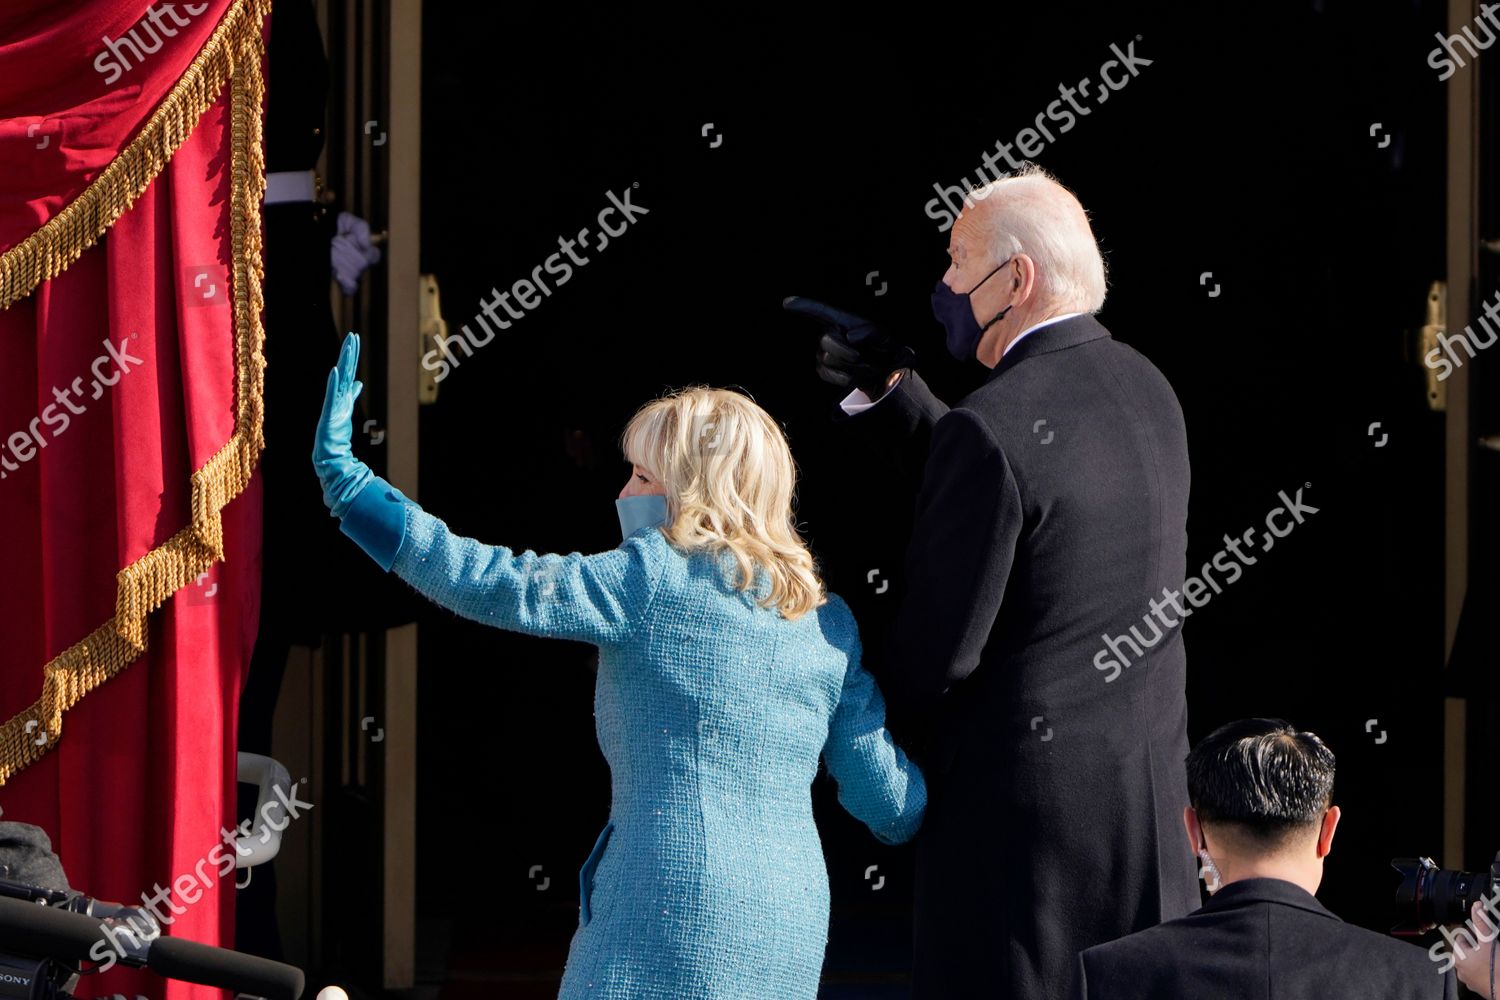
pixel 232 54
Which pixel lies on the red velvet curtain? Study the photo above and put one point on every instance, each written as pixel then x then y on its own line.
pixel 118 379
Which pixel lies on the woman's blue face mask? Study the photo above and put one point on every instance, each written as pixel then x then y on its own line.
pixel 644 510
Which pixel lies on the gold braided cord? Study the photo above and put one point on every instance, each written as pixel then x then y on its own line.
pixel 233 54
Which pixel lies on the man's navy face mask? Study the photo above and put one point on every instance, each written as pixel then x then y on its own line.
pixel 956 313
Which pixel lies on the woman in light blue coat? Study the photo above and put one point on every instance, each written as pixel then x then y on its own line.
pixel 725 672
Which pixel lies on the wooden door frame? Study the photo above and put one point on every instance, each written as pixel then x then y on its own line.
pixel 403 263
pixel 1463 268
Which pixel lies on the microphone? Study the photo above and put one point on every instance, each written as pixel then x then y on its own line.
pixel 177 958
pixel 43 931
pixel 34 929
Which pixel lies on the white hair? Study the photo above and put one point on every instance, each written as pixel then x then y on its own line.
pixel 1036 215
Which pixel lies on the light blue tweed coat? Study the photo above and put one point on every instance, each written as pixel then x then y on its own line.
pixel 708 880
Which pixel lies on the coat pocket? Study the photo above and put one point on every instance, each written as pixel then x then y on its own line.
pixel 586 874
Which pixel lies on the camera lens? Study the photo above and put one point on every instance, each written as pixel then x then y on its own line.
pixel 1428 895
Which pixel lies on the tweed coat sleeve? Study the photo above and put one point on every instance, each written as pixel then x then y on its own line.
pixel 878 783
pixel 599 599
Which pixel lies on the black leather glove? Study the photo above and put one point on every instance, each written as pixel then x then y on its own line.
pixel 853 352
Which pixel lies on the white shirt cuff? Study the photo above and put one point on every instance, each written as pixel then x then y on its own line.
pixel 856 402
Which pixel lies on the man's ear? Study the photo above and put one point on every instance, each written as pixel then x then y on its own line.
pixel 1194 831
pixel 1325 832
pixel 1026 282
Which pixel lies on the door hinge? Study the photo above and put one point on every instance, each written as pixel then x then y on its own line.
pixel 434 331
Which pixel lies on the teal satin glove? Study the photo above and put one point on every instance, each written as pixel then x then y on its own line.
pixel 343 476
pixel 371 511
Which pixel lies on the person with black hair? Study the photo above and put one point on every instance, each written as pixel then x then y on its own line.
pixel 1262 821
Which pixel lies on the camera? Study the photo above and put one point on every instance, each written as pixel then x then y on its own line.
pixel 1429 896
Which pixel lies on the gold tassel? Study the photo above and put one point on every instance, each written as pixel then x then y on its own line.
pixel 233 55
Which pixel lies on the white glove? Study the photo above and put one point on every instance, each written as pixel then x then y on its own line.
pixel 351 251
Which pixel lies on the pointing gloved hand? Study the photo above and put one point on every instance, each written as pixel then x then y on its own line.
pixel 853 352
pixel 371 510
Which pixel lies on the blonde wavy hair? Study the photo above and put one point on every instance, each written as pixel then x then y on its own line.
pixel 730 483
